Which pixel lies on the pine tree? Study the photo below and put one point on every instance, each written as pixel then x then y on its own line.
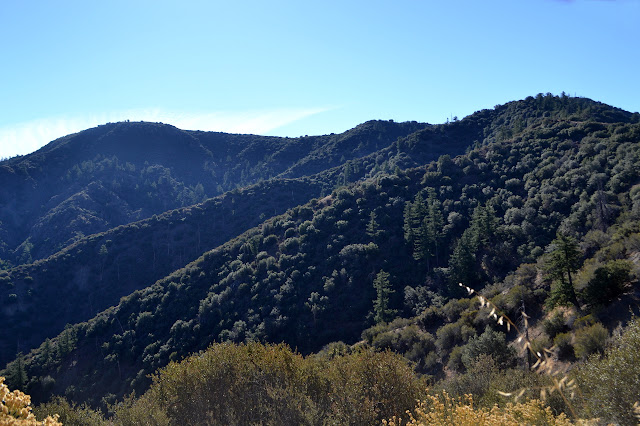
pixel 17 374
pixel 483 226
pixel 420 242
pixel 462 262
pixel 47 352
pixel 381 303
pixel 414 227
pixel 346 173
pixel 563 260
pixel 434 224
pixel 408 222
pixel 373 229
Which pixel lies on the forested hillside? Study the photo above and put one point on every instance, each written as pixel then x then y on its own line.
pixel 119 173
pixel 90 275
pixel 535 205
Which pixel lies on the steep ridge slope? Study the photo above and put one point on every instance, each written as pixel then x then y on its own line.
pixel 119 173
pixel 37 300
pixel 94 277
pixel 90 269
pixel 99 163
pixel 307 277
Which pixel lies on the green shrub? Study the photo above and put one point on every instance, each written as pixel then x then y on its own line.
pixel 476 381
pixel 371 333
pixel 454 308
pixel 453 334
pixel 455 359
pixel 562 341
pixel 609 385
pixel 584 321
pixel 514 298
pixel 334 349
pixel 555 325
pixel 367 387
pixel 540 343
pixel 491 343
pixel 70 413
pixel 590 340
pixel 268 384
pixel 409 340
pixel 608 282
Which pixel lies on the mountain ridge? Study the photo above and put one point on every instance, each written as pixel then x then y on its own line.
pixel 177 178
pixel 504 183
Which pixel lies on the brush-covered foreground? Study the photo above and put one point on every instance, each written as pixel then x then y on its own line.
pixel 271 384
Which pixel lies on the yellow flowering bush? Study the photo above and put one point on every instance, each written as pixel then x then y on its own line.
pixel 441 410
pixel 16 410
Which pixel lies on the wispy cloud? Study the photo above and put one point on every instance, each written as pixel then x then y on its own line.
pixel 24 138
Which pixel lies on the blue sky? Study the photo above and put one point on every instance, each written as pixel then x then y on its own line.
pixel 291 68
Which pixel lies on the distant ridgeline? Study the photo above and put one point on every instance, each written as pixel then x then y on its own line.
pixel 152 243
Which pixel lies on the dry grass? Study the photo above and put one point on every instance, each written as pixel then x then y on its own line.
pixel 441 410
